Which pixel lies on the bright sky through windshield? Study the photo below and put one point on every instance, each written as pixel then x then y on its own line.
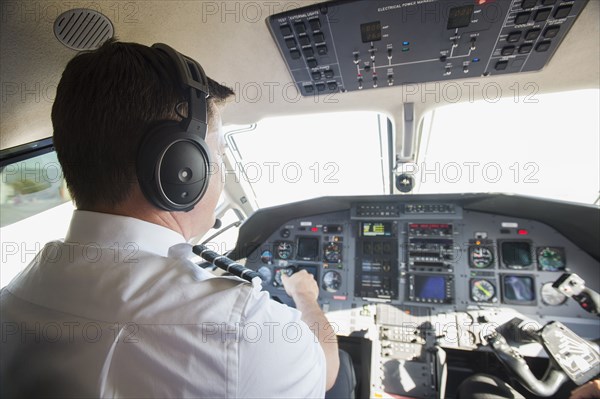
pixel 289 159
pixel 547 149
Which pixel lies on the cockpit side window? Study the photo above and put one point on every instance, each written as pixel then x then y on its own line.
pixel 35 207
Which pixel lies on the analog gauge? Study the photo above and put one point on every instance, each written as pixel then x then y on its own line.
pixel 552 297
pixel 265 274
pixel 333 253
pixel 266 257
pixel 278 282
pixel 482 290
pixel 480 257
pixel 284 250
pixel 332 281
pixel 551 259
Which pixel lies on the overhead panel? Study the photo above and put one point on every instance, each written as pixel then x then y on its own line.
pixel 354 45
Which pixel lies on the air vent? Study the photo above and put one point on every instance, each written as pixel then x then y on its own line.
pixel 83 29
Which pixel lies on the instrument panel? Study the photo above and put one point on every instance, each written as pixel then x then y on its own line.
pixel 430 254
pixel 426 278
pixel 319 246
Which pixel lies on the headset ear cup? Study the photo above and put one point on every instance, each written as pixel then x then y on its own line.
pixel 173 167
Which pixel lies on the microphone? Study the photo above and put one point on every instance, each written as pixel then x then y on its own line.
pixel 218 224
pixel 223 262
pixel 218 233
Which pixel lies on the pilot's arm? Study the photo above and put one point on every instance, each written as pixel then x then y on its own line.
pixel 285 352
pixel 304 291
pixel 591 390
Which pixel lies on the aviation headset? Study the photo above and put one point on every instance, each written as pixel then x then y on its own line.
pixel 173 159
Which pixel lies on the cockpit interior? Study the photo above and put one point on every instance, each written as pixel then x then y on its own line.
pixel 433 164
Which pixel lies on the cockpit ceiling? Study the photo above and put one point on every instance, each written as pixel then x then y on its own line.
pixel 232 42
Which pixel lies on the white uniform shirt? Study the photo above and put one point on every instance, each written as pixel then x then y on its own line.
pixel 117 310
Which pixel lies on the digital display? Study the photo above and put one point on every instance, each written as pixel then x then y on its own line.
pixel 518 289
pixel 460 17
pixel 516 254
pixel 370 32
pixel 430 287
pixel 308 248
pixel 376 229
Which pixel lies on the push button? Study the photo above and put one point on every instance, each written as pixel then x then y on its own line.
pixel 551 32
pixel 332 86
pixel 501 65
pixel 290 43
pixel 295 54
pixel 308 52
pixel 315 24
pixel 543 46
pixel 525 48
pixel 562 12
pixel 300 27
pixel 312 63
pixel 319 37
pixel 522 18
pixel 321 86
pixel 322 50
pixel 514 37
pixel 304 40
pixel 542 15
pixel 508 50
pixel 329 74
pixel 527 4
pixel 316 75
pixel 285 30
pixel 532 34
pixel 309 89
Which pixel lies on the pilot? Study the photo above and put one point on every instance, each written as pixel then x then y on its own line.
pixel 590 390
pixel 117 309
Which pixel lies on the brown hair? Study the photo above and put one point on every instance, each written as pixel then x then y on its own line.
pixel 105 101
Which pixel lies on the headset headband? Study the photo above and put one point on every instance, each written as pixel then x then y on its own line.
pixel 194 82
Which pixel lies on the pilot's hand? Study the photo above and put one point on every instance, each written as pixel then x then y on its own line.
pixel 301 286
pixel 591 390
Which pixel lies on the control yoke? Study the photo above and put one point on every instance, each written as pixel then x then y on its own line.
pixel 571 357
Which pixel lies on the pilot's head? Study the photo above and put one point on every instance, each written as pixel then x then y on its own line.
pixel 106 101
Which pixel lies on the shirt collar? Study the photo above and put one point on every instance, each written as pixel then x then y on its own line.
pixel 111 231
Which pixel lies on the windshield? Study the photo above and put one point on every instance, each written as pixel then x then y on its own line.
pixel 543 145
pixel 293 158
